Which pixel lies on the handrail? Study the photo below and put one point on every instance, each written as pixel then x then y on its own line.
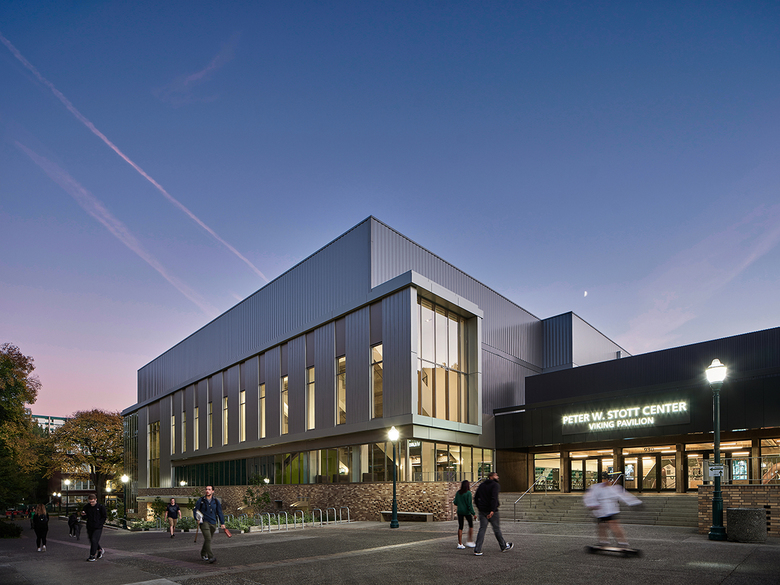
pixel 341 519
pixel 539 480
pixel 614 481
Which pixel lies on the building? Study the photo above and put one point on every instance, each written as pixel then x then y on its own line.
pixel 301 381
pixel 649 420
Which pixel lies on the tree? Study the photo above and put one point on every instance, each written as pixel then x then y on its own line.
pixel 89 446
pixel 257 495
pixel 22 444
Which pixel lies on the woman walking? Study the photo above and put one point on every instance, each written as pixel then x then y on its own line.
pixel 465 512
pixel 41 526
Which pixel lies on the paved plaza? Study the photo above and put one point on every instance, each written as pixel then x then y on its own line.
pixel 370 552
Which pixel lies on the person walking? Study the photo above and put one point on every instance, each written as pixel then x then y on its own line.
pixel 487 503
pixel 465 512
pixel 95 515
pixel 208 511
pixel 174 515
pixel 73 525
pixel 603 500
pixel 41 527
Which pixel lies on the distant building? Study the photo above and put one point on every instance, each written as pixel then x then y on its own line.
pixel 49 423
pixel 301 381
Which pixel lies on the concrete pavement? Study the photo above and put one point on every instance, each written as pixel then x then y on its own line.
pixel 369 552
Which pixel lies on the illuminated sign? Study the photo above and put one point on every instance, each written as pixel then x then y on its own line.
pixel 617 417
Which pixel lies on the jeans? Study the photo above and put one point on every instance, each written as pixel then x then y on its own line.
pixel 94 540
pixel 208 532
pixel 483 523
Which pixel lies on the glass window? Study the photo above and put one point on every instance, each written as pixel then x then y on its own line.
pixel 173 434
pixel 376 381
pixel 440 393
pixel 184 431
pixel 210 434
pixel 261 412
pixel 310 403
pixel 242 416
pixel 284 406
pixel 341 390
pixel 380 462
pixel 425 388
pixel 454 341
pixel 154 454
pixel 224 420
pixel 196 431
pixel 547 466
pixel 427 338
pixel 442 347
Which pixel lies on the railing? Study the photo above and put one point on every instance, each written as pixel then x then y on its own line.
pixel 614 481
pixel 542 479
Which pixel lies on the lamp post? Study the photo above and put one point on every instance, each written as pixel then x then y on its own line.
pixel 716 373
pixel 125 479
pixel 393 436
pixel 67 495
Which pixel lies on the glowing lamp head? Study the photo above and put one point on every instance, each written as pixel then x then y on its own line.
pixel 393 434
pixel 716 372
pixel 125 478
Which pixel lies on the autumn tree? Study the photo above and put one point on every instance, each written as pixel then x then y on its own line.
pixel 89 446
pixel 22 444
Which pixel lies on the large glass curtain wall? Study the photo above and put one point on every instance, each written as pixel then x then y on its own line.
pixel 442 371
pixel 416 460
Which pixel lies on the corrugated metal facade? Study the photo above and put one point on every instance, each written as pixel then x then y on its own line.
pixel 400 350
pixel 334 277
pixel 505 326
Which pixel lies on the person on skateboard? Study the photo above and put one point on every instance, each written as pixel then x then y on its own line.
pixel 603 500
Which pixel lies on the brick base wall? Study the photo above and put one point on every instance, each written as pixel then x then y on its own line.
pixel 741 496
pixel 365 500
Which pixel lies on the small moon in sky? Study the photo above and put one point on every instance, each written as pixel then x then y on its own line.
pixel 586 294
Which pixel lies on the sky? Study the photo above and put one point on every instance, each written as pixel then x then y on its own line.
pixel 159 162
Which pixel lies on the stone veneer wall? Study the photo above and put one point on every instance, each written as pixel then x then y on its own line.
pixel 365 500
pixel 741 496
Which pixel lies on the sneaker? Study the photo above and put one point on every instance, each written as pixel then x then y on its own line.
pixel 100 554
pixel 44 547
pixel 471 545
pixel 476 554
pixel 39 549
pixel 212 560
pixel 509 546
pixel 91 559
pixel 459 546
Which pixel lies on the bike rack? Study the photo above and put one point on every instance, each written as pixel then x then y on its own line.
pixel 269 521
pixel 303 519
pixel 286 520
pixel 327 516
pixel 341 519
pixel 312 515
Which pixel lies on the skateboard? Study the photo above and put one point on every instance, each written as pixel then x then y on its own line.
pixel 624 551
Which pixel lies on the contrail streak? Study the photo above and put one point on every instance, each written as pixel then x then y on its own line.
pixel 81 118
pixel 97 210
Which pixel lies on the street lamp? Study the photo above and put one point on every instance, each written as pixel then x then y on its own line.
pixel 125 479
pixel 182 483
pixel 716 373
pixel 393 436
pixel 67 494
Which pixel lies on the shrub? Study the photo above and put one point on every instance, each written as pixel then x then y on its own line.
pixel 10 530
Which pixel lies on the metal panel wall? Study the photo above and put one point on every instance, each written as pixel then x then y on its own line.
pixel 589 345
pixel 273 388
pixel 231 391
pixel 333 277
pixel 250 383
pixel 358 353
pixel 503 381
pixel 189 408
pixel 506 326
pixel 216 385
pixel 296 362
pixel 325 377
pixel 399 345
pixel 202 422
pixel 557 342
pixel 143 447
pixel 166 405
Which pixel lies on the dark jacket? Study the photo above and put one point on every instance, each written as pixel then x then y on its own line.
pixel 96 516
pixel 211 510
pixel 41 523
pixel 486 497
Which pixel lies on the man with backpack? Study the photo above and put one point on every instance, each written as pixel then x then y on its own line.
pixel 208 511
pixel 486 500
